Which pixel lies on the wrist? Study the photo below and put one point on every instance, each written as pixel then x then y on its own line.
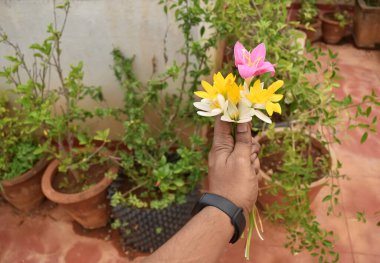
pixel 233 212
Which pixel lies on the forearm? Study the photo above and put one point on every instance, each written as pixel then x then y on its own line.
pixel 202 239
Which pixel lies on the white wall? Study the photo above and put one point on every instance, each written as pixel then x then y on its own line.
pixel 94 27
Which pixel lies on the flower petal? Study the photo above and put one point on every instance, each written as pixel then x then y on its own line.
pixel 245 120
pixel 264 68
pixel 276 97
pixel 202 94
pixel 202 106
pixel 277 107
pixel 262 116
pixel 258 53
pixel 259 106
pixel 246 71
pixel 207 86
pixel 275 86
pixel 208 113
pixel 238 53
pixel 226 118
pixel 269 108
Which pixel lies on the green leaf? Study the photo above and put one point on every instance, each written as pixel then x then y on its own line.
pixel 102 135
pixel 327 198
pixel 364 137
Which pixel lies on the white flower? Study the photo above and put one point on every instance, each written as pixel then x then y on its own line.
pixel 211 107
pixel 240 114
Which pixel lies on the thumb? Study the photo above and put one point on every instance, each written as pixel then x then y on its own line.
pixel 223 140
pixel 243 143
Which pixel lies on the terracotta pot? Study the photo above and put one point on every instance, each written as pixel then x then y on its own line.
pixel 89 208
pixel 332 32
pixel 267 199
pixel 312 35
pixel 366 25
pixel 24 192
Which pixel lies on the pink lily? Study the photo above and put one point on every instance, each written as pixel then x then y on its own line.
pixel 252 63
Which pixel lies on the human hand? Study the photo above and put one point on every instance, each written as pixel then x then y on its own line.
pixel 233 166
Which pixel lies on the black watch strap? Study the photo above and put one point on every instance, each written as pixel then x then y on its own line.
pixel 234 212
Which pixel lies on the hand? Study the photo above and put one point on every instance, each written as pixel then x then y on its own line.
pixel 233 166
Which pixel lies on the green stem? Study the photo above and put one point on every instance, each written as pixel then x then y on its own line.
pixel 249 237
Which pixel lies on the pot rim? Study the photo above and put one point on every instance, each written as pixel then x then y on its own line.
pixel 63 198
pixel 366 7
pixel 38 167
pixel 327 20
pixel 319 182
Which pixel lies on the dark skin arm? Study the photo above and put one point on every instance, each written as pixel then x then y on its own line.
pixel 232 175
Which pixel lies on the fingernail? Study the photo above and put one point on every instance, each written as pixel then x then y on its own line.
pixel 242 127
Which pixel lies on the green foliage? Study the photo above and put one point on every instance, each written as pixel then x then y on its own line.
pixel 159 164
pixel 161 167
pixel 343 17
pixel 46 120
pixel 310 109
pixel 308 12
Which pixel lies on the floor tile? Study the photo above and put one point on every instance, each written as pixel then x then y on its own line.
pixel 362 258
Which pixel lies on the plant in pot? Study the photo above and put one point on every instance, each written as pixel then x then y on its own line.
pixel 21 129
pixel 81 169
pixel 302 111
pixel 335 24
pixel 308 20
pixel 366 31
pixel 161 173
pixel 297 162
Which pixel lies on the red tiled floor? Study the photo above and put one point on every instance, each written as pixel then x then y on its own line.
pixel 40 237
pixel 362 258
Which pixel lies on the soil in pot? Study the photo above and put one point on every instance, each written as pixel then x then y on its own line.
pixel 24 192
pixel 146 229
pixel 86 202
pixel 332 31
pixel 273 162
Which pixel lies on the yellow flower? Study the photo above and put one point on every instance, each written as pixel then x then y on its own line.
pixel 266 97
pixel 226 87
pixel 209 93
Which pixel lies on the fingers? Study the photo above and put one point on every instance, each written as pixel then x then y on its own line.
pixel 255 146
pixel 243 139
pixel 223 139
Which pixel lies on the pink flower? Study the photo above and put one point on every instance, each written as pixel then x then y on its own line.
pixel 252 63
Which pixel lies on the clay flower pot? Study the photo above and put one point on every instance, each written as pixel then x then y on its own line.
pixel 267 199
pixel 366 25
pixel 312 35
pixel 89 208
pixel 24 192
pixel 332 32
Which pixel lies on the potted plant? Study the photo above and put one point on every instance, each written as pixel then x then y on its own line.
pixel 367 16
pixel 308 20
pixel 309 111
pixel 334 24
pixel 161 173
pixel 80 172
pixel 21 131
pixel 297 162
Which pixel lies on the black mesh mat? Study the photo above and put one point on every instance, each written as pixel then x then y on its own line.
pixel 147 229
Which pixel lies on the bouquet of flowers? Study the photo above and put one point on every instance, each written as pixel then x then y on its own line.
pixel 239 103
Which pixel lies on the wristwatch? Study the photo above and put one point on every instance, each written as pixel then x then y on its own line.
pixel 234 212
